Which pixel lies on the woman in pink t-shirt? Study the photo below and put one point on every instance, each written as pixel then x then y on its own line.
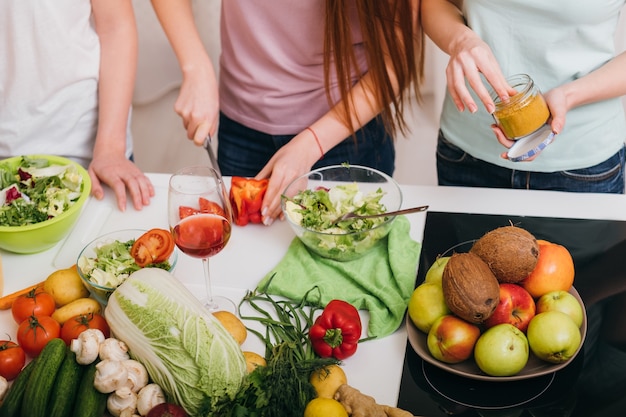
pixel 301 84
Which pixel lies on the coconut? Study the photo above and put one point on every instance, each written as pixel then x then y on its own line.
pixel 510 251
pixel 470 289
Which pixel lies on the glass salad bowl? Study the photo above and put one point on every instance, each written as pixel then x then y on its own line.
pixel 20 233
pixel 312 203
pixel 105 262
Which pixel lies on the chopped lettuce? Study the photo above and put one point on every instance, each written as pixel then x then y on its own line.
pixel 112 263
pixel 36 191
pixel 316 210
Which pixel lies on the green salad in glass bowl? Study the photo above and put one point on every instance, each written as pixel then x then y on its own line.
pixel 312 203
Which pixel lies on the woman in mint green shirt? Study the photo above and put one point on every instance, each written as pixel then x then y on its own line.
pixel 568 49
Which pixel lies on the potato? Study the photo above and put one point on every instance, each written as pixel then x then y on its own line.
pixel 75 308
pixel 233 324
pixel 65 286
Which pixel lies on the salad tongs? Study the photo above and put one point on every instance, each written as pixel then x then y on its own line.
pixel 352 215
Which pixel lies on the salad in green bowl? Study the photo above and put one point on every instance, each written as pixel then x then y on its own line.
pixel 35 190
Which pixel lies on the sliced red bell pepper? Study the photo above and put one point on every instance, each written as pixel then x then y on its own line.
pixel 336 332
pixel 246 197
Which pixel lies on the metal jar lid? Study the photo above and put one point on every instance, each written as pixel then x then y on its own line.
pixel 531 145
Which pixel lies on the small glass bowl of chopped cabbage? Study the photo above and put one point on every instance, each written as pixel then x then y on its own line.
pixel 41 198
pixel 313 201
pixel 106 262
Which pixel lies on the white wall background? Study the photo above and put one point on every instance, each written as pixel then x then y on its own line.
pixel 160 139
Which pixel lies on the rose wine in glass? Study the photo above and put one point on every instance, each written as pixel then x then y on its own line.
pixel 200 219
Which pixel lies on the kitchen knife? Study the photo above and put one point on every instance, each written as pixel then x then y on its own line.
pixel 212 158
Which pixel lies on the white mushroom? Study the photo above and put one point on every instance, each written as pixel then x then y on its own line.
pixel 121 400
pixel 137 374
pixel 110 376
pixel 87 346
pixel 148 397
pixel 115 349
pixel 4 387
pixel 129 413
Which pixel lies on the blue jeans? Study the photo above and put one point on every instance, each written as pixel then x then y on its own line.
pixel 244 152
pixel 455 167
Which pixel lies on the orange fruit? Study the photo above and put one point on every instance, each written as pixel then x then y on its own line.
pixel 554 270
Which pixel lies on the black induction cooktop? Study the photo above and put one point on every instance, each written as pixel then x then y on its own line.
pixel 592 385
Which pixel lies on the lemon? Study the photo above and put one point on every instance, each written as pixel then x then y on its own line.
pixel 324 407
pixel 253 360
pixel 327 380
pixel 233 324
pixel 65 286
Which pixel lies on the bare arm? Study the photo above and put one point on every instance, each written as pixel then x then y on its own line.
pixel 300 154
pixel 469 56
pixel 197 102
pixel 116 28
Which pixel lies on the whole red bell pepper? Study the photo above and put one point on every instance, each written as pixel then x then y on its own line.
pixel 246 197
pixel 336 332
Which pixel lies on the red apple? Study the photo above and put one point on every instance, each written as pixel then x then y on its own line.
pixel 452 339
pixel 516 307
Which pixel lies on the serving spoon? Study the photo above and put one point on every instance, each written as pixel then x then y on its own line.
pixel 352 215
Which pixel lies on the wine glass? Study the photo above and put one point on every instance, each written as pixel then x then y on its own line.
pixel 200 217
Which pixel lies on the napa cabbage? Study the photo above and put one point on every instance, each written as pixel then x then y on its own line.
pixel 185 349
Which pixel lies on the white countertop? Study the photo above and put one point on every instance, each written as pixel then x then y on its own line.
pixel 254 250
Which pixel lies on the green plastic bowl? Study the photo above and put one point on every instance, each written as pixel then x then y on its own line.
pixel 41 236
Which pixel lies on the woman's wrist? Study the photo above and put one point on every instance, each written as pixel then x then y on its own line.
pixel 317 141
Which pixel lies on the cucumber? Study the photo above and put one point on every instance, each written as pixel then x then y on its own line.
pixel 39 385
pixel 65 386
pixel 13 400
pixel 89 401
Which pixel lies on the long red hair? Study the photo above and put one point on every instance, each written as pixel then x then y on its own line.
pixel 392 36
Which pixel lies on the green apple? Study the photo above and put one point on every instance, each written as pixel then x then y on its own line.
pixel 435 272
pixel 553 336
pixel 561 301
pixel 426 305
pixel 452 339
pixel 501 350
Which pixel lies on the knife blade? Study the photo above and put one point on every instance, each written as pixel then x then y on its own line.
pixel 212 157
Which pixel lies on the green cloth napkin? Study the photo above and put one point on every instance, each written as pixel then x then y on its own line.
pixel 381 281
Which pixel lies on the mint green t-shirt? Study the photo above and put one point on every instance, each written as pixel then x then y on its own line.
pixel 554 42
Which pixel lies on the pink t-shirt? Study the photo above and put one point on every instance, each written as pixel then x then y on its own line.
pixel 272 63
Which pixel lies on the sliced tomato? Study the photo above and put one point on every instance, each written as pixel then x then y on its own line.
pixel 154 246
pixel 35 332
pixel 78 324
pixel 186 211
pixel 211 207
pixel 35 302
pixel 12 359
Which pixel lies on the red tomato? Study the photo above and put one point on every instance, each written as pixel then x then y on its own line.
pixel 12 359
pixel 154 246
pixel 167 410
pixel 211 207
pixel 185 211
pixel 35 303
pixel 78 324
pixel 35 332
